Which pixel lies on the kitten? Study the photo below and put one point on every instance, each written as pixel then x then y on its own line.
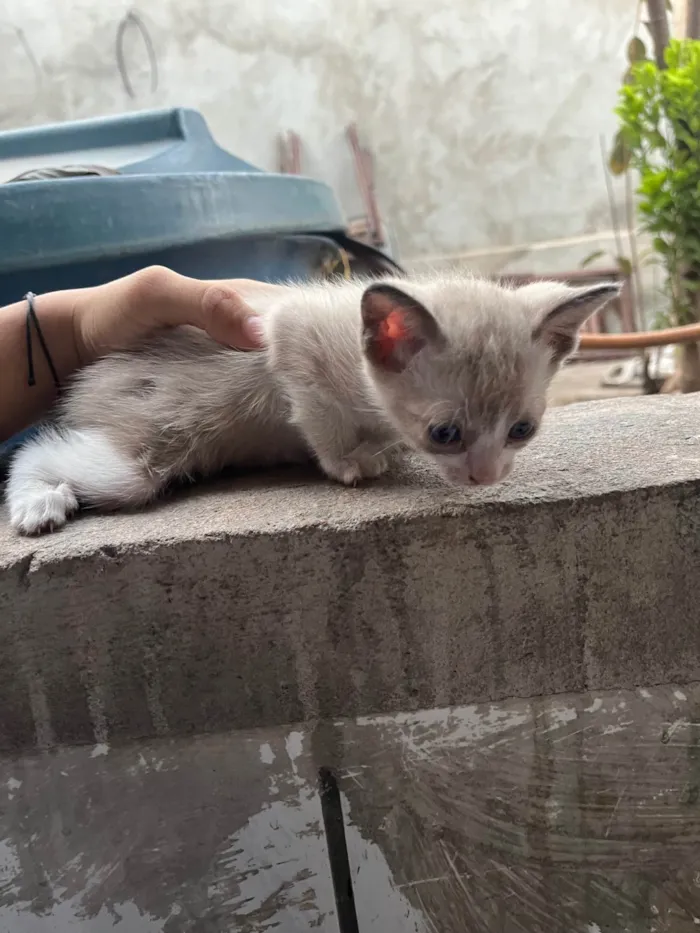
pixel 454 368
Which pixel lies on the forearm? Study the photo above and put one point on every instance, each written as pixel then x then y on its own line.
pixel 20 403
pixel 83 324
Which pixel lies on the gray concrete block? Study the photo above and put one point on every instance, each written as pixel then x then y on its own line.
pixel 281 598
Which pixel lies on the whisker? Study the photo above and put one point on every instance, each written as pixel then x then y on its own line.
pixel 378 453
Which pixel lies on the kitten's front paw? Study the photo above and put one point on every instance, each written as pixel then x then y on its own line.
pixel 360 464
pixel 41 509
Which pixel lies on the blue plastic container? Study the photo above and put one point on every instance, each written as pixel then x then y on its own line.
pixel 179 200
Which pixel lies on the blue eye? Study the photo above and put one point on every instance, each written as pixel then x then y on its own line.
pixel 444 434
pixel 521 430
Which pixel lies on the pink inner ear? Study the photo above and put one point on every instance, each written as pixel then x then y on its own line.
pixel 393 327
pixel 391 331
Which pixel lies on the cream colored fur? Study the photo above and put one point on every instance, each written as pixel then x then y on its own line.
pixel 480 357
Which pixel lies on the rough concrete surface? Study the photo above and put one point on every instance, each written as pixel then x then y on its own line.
pixel 573 814
pixel 278 599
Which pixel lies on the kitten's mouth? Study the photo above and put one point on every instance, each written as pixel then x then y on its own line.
pixel 466 471
pixel 459 478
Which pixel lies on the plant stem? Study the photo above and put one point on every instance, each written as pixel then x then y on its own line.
pixel 692 22
pixel 611 199
pixel 657 25
pixel 637 295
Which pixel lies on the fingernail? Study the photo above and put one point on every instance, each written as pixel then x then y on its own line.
pixel 254 329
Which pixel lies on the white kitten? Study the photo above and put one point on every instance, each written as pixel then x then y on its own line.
pixel 453 367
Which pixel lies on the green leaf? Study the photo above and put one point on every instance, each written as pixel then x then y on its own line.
pixel 624 265
pixel 636 50
pixel 652 182
pixel 591 258
pixel 659 136
pixel 669 6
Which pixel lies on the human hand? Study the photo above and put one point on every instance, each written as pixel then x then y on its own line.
pixel 123 312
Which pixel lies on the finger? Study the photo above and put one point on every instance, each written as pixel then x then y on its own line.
pixel 215 307
pixel 228 319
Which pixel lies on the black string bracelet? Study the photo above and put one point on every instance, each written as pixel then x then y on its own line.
pixel 33 319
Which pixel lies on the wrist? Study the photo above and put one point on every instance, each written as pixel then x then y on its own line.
pixel 79 301
pixel 56 315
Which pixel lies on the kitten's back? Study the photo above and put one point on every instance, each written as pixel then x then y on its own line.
pixel 184 404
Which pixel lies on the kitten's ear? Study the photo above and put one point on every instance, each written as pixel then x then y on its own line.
pixel 395 327
pixel 560 326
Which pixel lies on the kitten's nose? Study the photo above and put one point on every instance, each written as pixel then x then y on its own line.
pixel 484 474
pixel 484 462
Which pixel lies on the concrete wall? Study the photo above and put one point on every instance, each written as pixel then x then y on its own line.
pixel 273 599
pixel 335 620
pixel 485 117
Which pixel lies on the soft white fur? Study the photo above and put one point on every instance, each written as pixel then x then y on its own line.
pixel 182 405
pixel 61 467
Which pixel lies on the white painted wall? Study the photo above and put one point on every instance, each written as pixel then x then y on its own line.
pixel 484 116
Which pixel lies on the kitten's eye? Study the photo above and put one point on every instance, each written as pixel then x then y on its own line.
pixel 521 430
pixel 444 434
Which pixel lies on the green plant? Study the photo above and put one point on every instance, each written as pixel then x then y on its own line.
pixel 659 111
pixel 623 264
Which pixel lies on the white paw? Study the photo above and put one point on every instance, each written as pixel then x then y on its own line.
pixel 42 508
pixel 360 464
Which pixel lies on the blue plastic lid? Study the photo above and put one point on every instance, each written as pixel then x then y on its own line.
pixel 186 191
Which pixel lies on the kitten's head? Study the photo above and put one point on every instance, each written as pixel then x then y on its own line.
pixel 461 366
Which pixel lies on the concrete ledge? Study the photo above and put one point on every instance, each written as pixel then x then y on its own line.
pixel 280 599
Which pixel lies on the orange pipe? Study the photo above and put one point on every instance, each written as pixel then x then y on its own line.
pixel 689 333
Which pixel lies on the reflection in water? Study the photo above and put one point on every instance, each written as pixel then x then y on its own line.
pixel 542 815
pixel 566 815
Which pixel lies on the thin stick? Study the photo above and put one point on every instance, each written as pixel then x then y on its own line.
pixel 638 303
pixel 692 22
pixel 611 198
pixel 658 27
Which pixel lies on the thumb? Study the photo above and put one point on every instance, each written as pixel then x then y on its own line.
pixel 229 320
pixel 215 307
